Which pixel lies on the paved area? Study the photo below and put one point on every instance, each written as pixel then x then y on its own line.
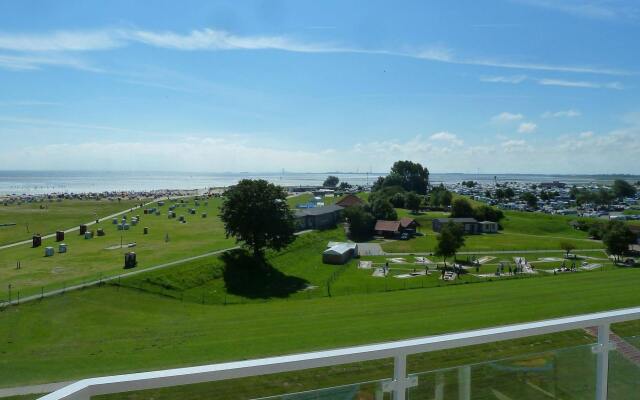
pixel 33 389
pixel 370 249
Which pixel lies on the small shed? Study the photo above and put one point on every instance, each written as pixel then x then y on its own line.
pixel 489 227
pixel 339 253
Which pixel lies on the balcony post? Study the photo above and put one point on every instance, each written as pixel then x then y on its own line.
pixel 464 383
pixel 400 377
pixel 602 363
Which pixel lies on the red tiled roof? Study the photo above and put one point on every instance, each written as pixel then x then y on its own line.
pixel 387 226
pixel 406 221
pixel 349 200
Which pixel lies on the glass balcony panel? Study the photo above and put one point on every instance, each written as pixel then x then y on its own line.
pixel 624 369
pixel 567 373
pixel 357 381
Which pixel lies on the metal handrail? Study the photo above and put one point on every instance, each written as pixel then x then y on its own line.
pixel 398 350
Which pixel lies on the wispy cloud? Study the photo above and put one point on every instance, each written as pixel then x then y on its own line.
pixel 209 39
pixel 213 39
pixel 513 79
pixel 581 84
pixel 596 9
pixel 25 62
pixel 62 41
pixel 561 114
pixel 506 117
pixel 527 127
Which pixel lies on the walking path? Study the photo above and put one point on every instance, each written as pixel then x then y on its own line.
pixel 499 252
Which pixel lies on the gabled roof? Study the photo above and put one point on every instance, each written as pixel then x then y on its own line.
pixel 387 226
pixel 406 221
pixel 340 248
pixel 349 200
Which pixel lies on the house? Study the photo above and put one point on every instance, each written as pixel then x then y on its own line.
pixel 350 200
pixel 319 217
pixel 489 227
pixel 387 228
pixel 469 225
pixel 408 223
pixel 339 253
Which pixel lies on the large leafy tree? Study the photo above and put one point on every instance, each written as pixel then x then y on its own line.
pixel 487 213
pixel 361 222
pixel 450 240
pixel 413 176
pixel 331 181
pixel 413 202
pixel 617 237
pixel 256 213
pixel 383 209
pixel 530 199
pixel 622 188
pixel 461 208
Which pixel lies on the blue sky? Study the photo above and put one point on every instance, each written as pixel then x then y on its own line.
pixel 530 86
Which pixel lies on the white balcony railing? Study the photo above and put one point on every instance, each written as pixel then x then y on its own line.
pixel 398 350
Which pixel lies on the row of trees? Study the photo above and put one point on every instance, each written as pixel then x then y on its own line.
pixel 602 196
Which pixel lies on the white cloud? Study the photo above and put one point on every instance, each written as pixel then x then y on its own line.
pixel 606 153
pixel 559 114
pixel 581 84
pixel 506 117
pixel 446 137
pixel 513 79
pixel 527 127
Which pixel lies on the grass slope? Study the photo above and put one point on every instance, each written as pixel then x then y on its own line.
pixel 522 231
pixel 107 330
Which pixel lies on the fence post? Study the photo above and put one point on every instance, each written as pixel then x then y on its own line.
pixel 602 362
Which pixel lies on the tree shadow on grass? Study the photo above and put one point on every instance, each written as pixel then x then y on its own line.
pixel 254 278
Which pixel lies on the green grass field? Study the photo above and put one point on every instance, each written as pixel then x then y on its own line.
pixel 110 329
pixel 48 216
pixel 223 307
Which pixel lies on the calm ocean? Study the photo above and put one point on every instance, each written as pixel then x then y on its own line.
pixel 39 182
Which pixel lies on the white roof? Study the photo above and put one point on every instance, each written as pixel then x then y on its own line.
pixel 340 248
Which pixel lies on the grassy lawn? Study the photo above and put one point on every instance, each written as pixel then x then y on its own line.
pixel 102 256
pixel 522 231
pixel 109 329
pixel 49 216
